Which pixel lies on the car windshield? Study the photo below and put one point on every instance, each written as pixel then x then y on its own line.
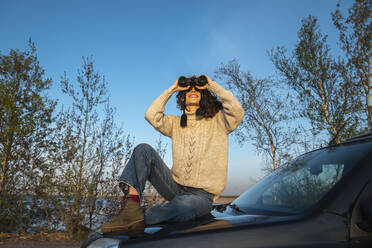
pixel 300 184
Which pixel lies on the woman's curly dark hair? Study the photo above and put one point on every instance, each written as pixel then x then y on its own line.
pixel 209 103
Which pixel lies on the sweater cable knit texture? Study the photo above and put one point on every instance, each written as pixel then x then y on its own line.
pixel 200 150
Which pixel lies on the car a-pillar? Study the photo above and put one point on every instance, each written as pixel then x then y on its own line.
pixel 361 218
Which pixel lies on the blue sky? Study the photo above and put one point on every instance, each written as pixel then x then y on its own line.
pixel 142 47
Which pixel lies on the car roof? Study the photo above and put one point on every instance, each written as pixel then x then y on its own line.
pixel 360 137
pixel 355 139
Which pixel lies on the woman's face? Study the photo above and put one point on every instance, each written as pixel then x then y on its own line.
pixel 193 97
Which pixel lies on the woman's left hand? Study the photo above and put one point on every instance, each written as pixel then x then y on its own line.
pixel 205 86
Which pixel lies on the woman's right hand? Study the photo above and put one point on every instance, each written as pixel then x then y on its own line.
pixel 175 87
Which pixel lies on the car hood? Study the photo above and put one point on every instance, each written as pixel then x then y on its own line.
pixel 219 218
pixel 206 223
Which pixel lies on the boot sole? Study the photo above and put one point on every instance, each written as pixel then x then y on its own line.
pixel 133 226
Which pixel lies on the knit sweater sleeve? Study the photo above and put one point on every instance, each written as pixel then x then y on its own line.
pixel 156 117
pixel 232 114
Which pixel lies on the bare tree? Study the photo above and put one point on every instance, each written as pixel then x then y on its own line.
pixel 113 151
pixel 265 123
pixel 87 149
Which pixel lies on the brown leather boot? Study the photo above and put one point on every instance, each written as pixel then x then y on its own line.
pixel 130 219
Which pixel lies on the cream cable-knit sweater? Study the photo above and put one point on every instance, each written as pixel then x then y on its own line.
pixel 200 149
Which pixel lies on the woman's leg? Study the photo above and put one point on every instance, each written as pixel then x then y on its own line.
pixel 181 208
pixel 145 164
pixel 184 203
pixel 132 191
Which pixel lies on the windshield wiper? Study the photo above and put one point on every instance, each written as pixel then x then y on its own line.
pixel 236 208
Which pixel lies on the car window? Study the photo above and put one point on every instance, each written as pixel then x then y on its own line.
pixel 302 183
pixel 303 187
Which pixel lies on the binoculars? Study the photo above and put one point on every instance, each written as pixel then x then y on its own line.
pixel 192 81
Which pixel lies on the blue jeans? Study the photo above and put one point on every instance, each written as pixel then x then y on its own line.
pixel 184 203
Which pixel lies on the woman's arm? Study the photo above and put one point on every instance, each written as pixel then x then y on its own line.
pixel 155 112
pixel 232 113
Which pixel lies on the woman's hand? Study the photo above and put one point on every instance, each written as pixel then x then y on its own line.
pixel 175 87
pixel 205 86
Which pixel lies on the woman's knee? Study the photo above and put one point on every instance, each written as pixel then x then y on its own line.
pixel 142 147
pixel 144 155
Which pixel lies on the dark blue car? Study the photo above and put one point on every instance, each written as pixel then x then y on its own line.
pixel 321 199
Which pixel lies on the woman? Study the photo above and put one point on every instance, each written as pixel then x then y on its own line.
pixel 199 150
